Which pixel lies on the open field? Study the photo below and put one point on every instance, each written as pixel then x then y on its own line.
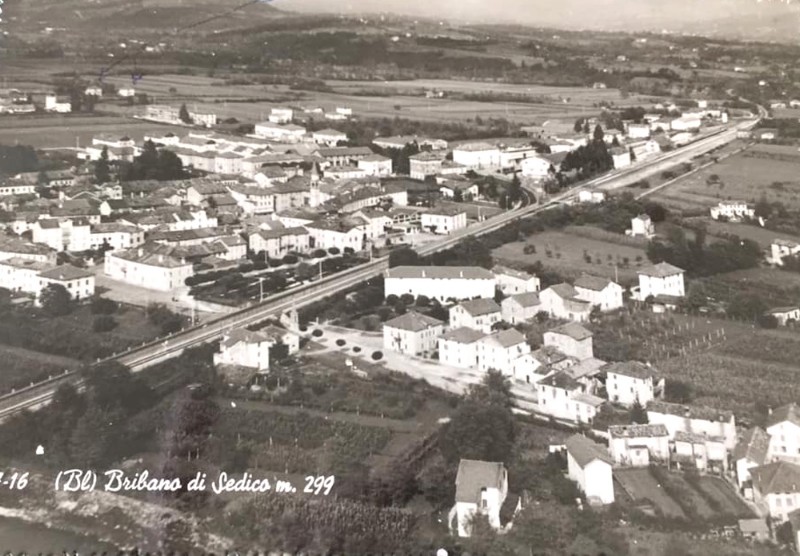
pixel 642 486
pixel 762 236
pixel 22 366
pixel 721 492
pixel 569 252
pixel 770 170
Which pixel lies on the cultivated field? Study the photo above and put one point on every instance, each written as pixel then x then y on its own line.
pixel 643 487
pixel 578 250
pixel 770 170
pixel 762 236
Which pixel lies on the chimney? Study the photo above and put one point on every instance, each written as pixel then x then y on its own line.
pixel 141 252
pixel 423 273
pixel 461 273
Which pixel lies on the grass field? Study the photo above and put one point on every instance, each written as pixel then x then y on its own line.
pixel 22 366
pixel 569 252
pixel 770 170
pixel 762 236
pixel 721 492
pixel 642 486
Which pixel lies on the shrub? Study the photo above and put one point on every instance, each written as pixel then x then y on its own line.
pixel 377 355
pixel 407 299
pixel 340 342
pixel 392 299
pixel 103 306
pixel 246 267
pixel 317 333
pixel 349 250
pixel 319 253
pixel 104 323
pixel 356 349
pixel 334 251
pixel 289 259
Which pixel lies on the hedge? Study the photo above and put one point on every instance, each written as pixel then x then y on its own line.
pixel 377 355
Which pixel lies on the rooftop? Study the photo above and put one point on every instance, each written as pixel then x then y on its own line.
pixel 692 412
pixel 474 475
pixel 637 431
pixel 480 306
pixel 513 272
pixel 777 477
pixel 573 330
pixel 661 270
pixel 594 283
pixel 462 335
pixel 584 451
pixel 505 338
pixel 695 437
pixel 789 412
pixel 753 446
pixel 243 335
pixel 440 272
pixel 65 273
pixel 634 369
pixel 413 322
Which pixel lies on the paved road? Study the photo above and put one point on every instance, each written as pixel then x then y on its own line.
pixel 167 348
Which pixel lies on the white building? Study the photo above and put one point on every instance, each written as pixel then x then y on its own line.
pixel 512 281
pixel 776 488
pixel 594 197
pixel 506 351
pixel 785 315
pixel 444 221
pixel 481 489
pixel 345 233
pixel 732 210
pixel 691 450
pixel 562 301
pixel 600 292
pixel 126 92
pixel 281 115
pixel 480 314
pixel 280 241
pixel 412 333
pixel 642 226
pixel 536 167
pixel 151 271
pixel 52 103
pixel 781 248
pixel 638 131
pixel 708 421
pixel 29 276
pixel 660 279
pixel 621 157
pixel 783 428
pixel 630 381
pixel 563 397
pixel 440 282
pixel 288 133
pixel 520 307
pixel 375 165
pixel 242 348
pixel 459 348
pixel 638 445
pixel 424 164
pixel 116 235
pixel 687 122
pixel 572 340
pixel 477 155
pixel 589 465
pixel 329 138
pixel 751 451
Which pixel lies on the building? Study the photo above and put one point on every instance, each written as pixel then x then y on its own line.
pixel 638 131
pixel 660 279
pixel 512 281
pixel 341 233
pixel 756 529
pixel 278 242
pixel 783 428
pixel 116 236
pixel 692 450
pixel 520 307
pixel 638 445
pixel 571 339
pixel 734 211
pixel 242 348
pixel 785 315
pixel 705 420
pixel 687 122
pixel 562 301
pixel 589 465
pixel 563 397
pixel 288 133
pixel 481 489
pixel 281 115
pixel 506 351
pixel 444 221
pixel 440 282
pixel 375 165
pixel 537 167
pixel 477 155
pixel 621 157
pixel 30 276
pixel 781 248
pixel 459 347
pixel 481 314
pixel 61 105
pixel 752 450
pixel 599 292
pixel 329 137
pixel 642 226
pixel 424 164
pixel 776 488
pixel 412 333
pixel 147 270
pixel 632 381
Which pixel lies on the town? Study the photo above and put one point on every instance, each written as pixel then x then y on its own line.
pixel 492 313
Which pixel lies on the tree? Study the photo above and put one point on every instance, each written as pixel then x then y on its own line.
pixel 104 323
pixel 615 141
pixel 102 173
pixel 598 133
pixel 56 300
pixel 479 431
pixel 404 256
pixel 638 413
pixel 278 352
pixel 586 127
pixel 578 125
pixel 183 114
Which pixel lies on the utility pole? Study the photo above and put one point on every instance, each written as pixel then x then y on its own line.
pixel 261 289
pixel 320 269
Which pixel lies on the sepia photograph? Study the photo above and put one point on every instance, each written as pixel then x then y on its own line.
pixel 399 278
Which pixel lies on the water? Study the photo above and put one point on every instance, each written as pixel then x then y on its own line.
pixel 17 535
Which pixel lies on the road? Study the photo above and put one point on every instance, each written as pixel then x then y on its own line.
pixel 172 346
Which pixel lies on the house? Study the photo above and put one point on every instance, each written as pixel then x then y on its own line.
pixel 587 196
pixel 329 137
pixel 480 314
pixel 481 489
pixel 621 157
pixel 242 348
pixel 686 122
pixel 752 450
pixel 477 155
pixel 459 348
pixel 562 301
pixel 520 307
pixel 572 340
pixel 440 282
pixel 506 351
pixel 599 292
pixel 563 397
pixel 412 333
pixel 444 220
pixel 537 167
pixel 660 279
pixel 642 226
pixel 424 164
pixel 116 236
pixel 781 248
pixel 344 156
pixel 61 105
pixel 280 115
pixel 279 241
pixel 30 276
pixel 632 381
pixel 589 465
pixel 677 417
pixel 512 281
pixel 13 247
pixel 452 188
pixel 288 133
pixel 776 488
pixel 783 428
pixel 638 131
pixel 375 165
pixel 147 270
pixel 692 450
pixel 638 445
pixel 756 529
pixel 785 315
pixel 341 233
pixel 734 211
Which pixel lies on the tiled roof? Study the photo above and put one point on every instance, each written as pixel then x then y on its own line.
pixel 692 412
pixel 505 338
pixel 637 431
pixel 413 322
pixel 661 270
pixel 753 446
pixel 530 299
pixel 243 335
pixel 584 451
pixel 463 335
pixel 789 412
pixel 696 437
pixel 474 475
pixel 563 290
pixel 561 380
pixel 778 477
pixel 513 272
pixel 594 283
pixel 481 306
pixel 634 369
pixel 573 330
pixel 440 272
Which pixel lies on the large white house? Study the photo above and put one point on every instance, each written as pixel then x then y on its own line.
pixel 507 351
pixel 477 155
pixel 781 248
pixel 776 488
pixel 444 220
pixel 30 276
pixel 440 282
pixel 733 211
pixel 563 397
pixel 459 347
pixel 521 307
pixel 642 226
pixel 600 292
pixel 481 314
pixel 481 489
pixel 242 348
pixel 660 279
pixel 571 339
pixel 147 270
pixel 512 281
pixel 412 333
pixel 783 428
pixel 631 381
pixel 562 301
pixel 589 465
pixel 752 450
pixel 638 445
pixel 705 420
pixel 279 241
